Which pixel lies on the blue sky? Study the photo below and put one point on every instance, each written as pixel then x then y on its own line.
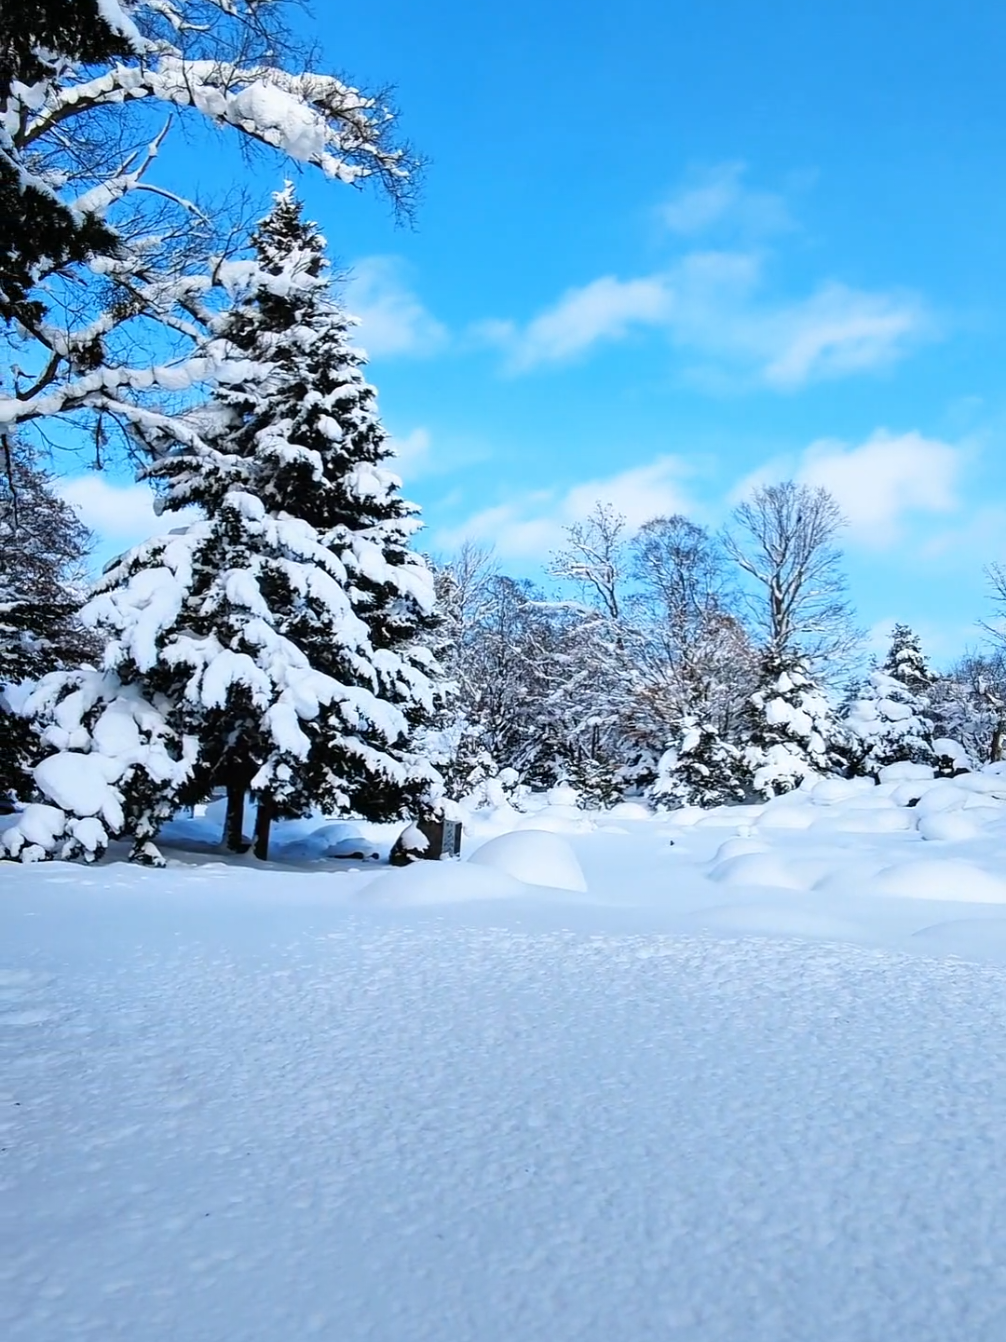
pixel 665 250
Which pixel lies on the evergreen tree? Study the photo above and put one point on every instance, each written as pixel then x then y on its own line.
pixel 700 769
pixel 39 39
pixel 42 546
pixel 887 720
pixel 281 638
pixel 887 724
pixel 791 733
pixel 906 661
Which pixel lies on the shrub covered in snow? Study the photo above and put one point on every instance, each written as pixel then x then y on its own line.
pixel 115 766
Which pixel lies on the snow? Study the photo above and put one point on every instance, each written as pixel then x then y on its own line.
pixel 745 1081
pixel 534 856
pixel 77 783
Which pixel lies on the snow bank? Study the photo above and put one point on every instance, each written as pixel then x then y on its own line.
pixel 425 883
pixel 947 879
pixel 535 857
pixel 759 869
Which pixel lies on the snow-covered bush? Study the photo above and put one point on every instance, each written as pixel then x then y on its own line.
pixel 700 769
pixel 595 779
pixel 113 767
pixel 42 545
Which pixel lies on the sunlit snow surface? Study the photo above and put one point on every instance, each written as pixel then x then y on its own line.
pixel 740 1090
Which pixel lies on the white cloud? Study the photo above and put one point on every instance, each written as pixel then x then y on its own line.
pixel 717 196
pixel 710 305
pixel 393 320
pixel 120 515
pixel 530 525
pixel 412 452
pixel 880 482
pixel 839 330
pixel 606 309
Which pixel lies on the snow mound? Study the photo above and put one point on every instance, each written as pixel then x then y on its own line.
pixel 941 796
pixel 905 772
pixel 535 857
pixel 739 847
pixel 946 878
pixel 831 791
pixel 557 820
pixel 332 840
pixel 759 869
pixel 987 785
pixel 861 820
pixel 424 883
pixel 630 810
pixel 949 825
pixel 787 814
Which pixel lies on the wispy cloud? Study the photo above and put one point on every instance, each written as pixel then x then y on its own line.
pixel 879 484
pixel 720 305
pixel 718 197
pixel 412 452
pixel 531 524
pixel 393 319
pixel 713 307
pixel 606 309
pixel 886 479
pixel 120 513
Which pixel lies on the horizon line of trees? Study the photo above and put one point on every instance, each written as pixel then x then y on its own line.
pixel 291 644
pixel 698 668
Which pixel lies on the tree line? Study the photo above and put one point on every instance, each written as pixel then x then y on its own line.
pixel 699 668
pixel 292 644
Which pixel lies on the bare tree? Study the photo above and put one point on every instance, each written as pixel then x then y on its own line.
pixel 969 704
pixel 595 560
pixel 696 656
pixel 783 537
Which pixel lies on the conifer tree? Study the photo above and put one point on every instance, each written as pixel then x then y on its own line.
pixel 791 733
pixel 906 661
pixel 42 545
pixel 281 636
pixel 700 769
pixel 887 720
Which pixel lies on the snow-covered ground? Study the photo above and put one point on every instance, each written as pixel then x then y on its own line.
pixel 732 1077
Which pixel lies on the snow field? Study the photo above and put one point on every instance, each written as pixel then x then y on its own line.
pixel 340 1126
pixel 700 1075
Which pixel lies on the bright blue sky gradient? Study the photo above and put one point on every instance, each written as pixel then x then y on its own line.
pixel 665 249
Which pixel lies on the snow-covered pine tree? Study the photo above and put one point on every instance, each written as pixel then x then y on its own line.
pixel 791 733
pixel 906 661
pixel 699 769
pixel 887 719
pixel 887 724
pixel 42 546
pixel 281 636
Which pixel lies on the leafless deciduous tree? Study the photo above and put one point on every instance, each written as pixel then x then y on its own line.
pixel 697 657
pixel 783 538
pixel 595 560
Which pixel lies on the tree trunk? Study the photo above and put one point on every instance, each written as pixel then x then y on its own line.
pixel 996 748
pixel 263 821
pixel 234 840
